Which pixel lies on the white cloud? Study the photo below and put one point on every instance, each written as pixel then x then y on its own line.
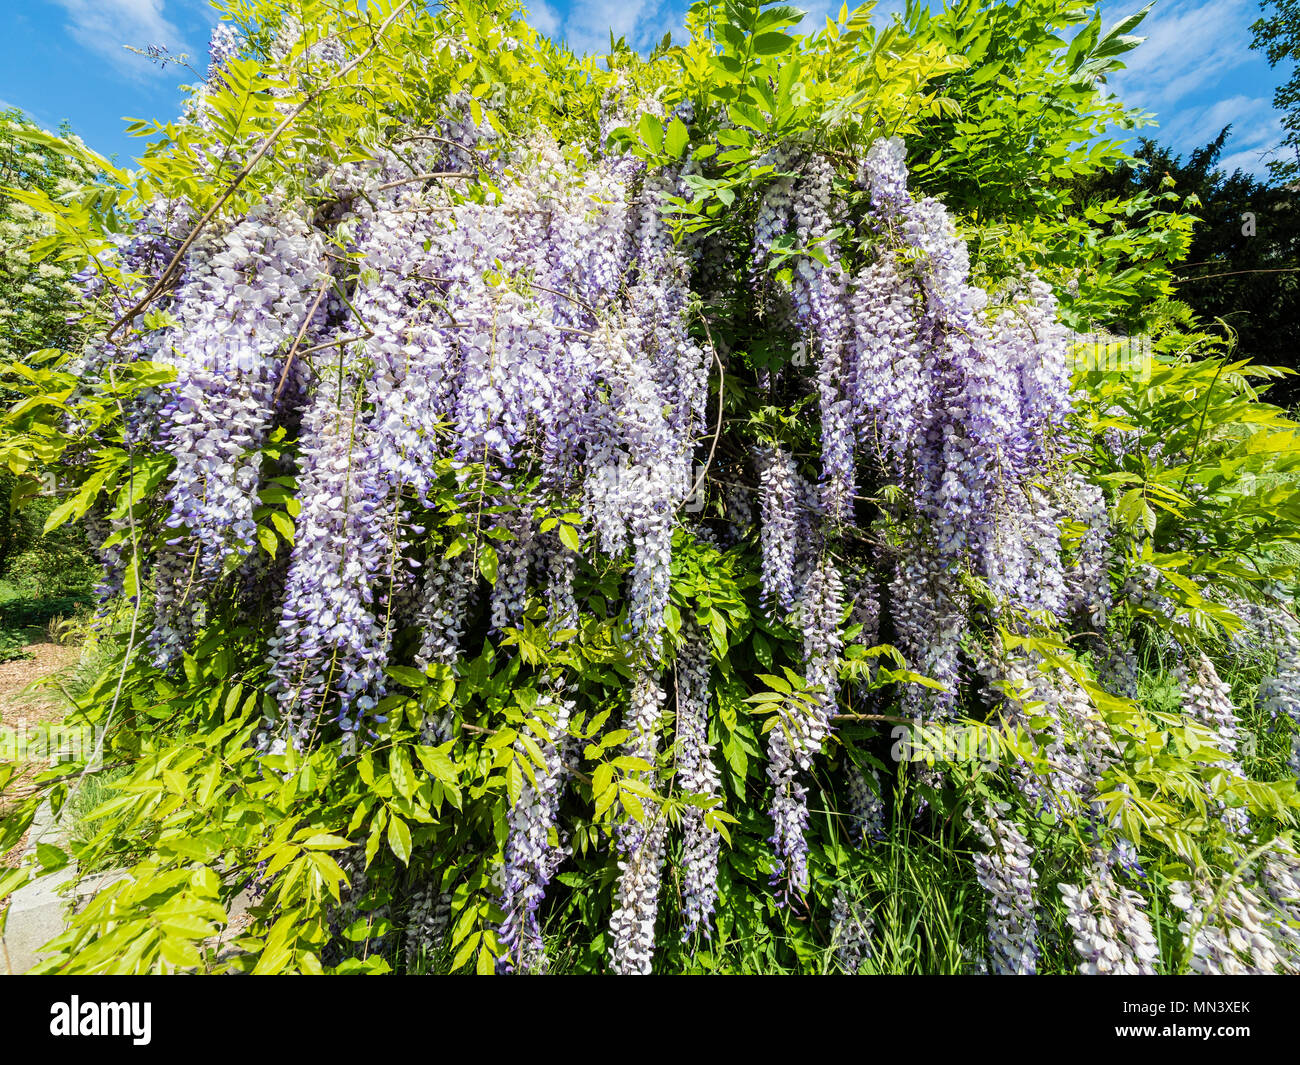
pixel 1191 71
pixel 542 17
pixel 1255 161
pixel 1250 119
pixel 1188 47
pixel 108 26
pixel 589 23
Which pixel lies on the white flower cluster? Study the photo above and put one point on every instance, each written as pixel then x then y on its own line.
pixel 1279 694
pixel 1231 932
pixel 866 807
pixel 640 844
pixel 1112 931
pixel 1206 701
pixel 696 775
pixel 1005 870
pixel 1087 577
pixel 531 853
pixel 799 734
pixel 781 496
pixel 427 923
pixel 852 928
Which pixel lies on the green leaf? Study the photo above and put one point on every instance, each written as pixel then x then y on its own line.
pixel 652 132
pixel 399 839
pixel 437 761
pixel 676 138
pixel 268 540
pixel 774 42
pixel 487 562
pixel 412 678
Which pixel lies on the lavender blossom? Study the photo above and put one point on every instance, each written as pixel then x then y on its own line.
pixel 531 859
pixel 696 775
pixel 1005 870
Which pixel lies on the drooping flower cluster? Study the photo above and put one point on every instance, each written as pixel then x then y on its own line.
pixel 1023 557
pixel 428 922
pixel 866 807
pixel 852 924
pixel 1112 931
pixel 532 855
pixel 1076 743
pixel 930 618
pixel 1006 872
pixel 1232 931
pixel 696 775
pixel 799 734
pixel 1206 701
pixel 1279 694
pixel 781 492
pixel 852 928
pixel 1087 579
pixel 244 301
pixel 640 844
pixel 331 640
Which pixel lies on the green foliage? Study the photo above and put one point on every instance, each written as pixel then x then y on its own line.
pixel 1003 111
pixel 35 293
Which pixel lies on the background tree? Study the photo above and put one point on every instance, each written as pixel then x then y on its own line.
pixel 38 298
pixel 1278 36
pixel 1241 265
pixel 35 293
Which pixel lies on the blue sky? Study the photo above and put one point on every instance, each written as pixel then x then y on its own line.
pixel 67 59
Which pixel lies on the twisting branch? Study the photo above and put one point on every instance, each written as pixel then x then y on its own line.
pixel 717 431
pixel 169 271
pixel 1238 273
pixel 436 175
pixel 872 717
pixel 293 351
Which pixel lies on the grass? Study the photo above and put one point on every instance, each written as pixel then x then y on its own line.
pixel 930 909
pixel 94 854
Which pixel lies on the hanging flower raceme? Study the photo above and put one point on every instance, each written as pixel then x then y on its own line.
pixel 696 775
pixel 640 844
pixel 1022 559
pixel 819 290
pixel 866 807
pixel 1112 931
pixel 531 855
pixel 1087 577
pixel 1230 932
pixel 246 297
pixel 798 735
pixel 1207 702
pixel 1279 693
pixel 930 618
pixel 332 640
pixel 852 928
pixel 781 490
pixel 1005 871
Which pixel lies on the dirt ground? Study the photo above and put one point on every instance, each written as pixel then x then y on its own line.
pixel 24 703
